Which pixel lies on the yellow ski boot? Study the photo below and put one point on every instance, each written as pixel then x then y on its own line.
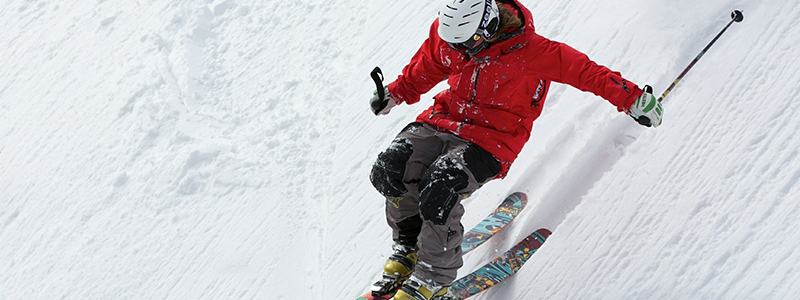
pixel 415 289
pixel 397 269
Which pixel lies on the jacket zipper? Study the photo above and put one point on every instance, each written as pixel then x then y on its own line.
pixel 475 86
pixel 472 99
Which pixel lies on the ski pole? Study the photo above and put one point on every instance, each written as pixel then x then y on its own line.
pixel 736 16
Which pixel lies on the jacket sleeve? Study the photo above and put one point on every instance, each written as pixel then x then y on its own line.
pixel 424 71
pixel 561 63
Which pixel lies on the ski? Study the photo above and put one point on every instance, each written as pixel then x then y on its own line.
pixel 500 268
pixel 487 228
pixel 496 221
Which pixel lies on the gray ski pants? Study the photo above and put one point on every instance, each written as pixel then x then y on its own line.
pixel 424 175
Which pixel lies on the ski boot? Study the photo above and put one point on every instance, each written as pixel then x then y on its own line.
pixel 397 269
pixel 415 289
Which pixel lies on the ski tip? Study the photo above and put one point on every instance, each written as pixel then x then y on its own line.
pixel 737 16
pixel 544 232
pixel 520 195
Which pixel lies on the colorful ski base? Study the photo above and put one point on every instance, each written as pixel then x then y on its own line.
pixel 500 268
pixel 492 224
pixel 496 221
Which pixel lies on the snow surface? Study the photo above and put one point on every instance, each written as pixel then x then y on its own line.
pixel 220 149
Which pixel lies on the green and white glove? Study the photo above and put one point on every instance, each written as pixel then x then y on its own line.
pixel 382 106
pixel 647 110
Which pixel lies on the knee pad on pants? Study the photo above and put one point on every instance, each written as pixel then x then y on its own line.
pixel 438 190
pixel 388 171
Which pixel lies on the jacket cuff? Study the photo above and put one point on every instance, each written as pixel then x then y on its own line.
pixel 625 106
pixel 400 94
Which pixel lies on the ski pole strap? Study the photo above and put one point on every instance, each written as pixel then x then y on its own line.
pixel 377 77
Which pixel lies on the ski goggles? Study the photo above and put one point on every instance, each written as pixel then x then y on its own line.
pixel 468 44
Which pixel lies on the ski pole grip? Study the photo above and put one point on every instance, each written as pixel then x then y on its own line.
pixel 377 77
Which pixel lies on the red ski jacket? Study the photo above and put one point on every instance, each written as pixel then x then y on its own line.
pixel 495 96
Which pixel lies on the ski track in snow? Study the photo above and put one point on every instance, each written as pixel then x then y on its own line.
pixel 220 149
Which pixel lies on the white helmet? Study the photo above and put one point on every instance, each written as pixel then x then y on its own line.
pixel 460 20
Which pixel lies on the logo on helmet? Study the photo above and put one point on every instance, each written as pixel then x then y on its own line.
pixel 488 20
pixel 487 14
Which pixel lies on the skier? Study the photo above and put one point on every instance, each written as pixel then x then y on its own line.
pixel 499 72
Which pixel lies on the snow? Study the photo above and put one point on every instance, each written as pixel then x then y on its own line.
pixel 221 150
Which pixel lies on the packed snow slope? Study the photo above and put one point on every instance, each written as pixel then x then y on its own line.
pixel 220 149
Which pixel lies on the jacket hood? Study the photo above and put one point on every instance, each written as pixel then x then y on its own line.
pixel 525 13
